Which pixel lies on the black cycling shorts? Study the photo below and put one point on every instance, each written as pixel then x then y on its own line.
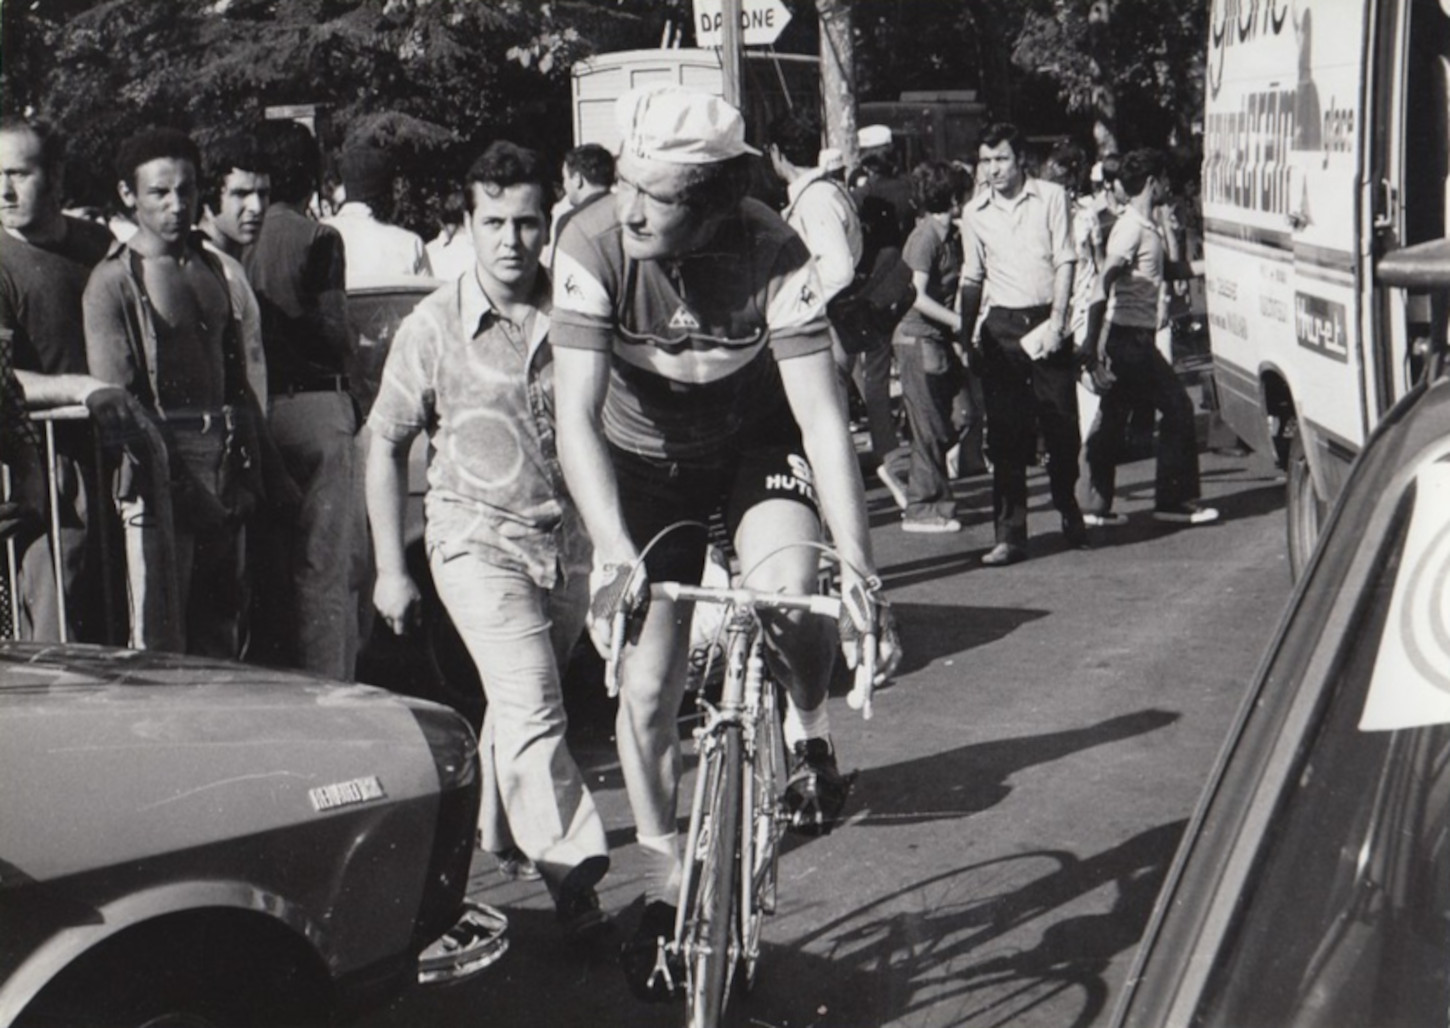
pixel 655 494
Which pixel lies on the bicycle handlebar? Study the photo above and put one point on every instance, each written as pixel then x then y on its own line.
pixel 825 606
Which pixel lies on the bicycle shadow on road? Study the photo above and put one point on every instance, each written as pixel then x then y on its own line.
pixel 910 792
pixel 976 945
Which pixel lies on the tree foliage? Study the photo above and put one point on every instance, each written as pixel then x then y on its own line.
pixel 435 80
pixel 1133 66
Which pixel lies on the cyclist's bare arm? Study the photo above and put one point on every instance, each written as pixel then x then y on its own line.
pixel 581 382
pixel 816 402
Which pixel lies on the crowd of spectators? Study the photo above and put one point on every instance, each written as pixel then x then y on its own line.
pixel 700 340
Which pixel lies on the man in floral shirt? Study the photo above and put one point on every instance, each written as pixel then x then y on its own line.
pixel 472 367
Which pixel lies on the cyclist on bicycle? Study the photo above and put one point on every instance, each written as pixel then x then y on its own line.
pixel 693 375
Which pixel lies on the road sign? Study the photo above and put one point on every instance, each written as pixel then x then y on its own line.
pixel 761 22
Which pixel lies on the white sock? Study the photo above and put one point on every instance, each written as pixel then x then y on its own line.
pixel 663 867
pixel 806 724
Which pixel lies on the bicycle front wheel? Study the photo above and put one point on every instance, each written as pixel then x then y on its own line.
pixel 709 940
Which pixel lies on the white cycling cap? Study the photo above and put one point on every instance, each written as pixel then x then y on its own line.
pixel 680 126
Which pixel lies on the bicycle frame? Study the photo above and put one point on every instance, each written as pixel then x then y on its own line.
pixel 737 816
pixel 736 793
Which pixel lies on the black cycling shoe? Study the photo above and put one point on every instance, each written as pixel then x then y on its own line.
pixel 816 791
pixel 653 970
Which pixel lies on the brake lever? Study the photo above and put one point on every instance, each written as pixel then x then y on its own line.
pixel 618 626
pixel 865 683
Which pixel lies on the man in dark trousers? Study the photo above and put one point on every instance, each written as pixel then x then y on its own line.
pixel 1018 243
pixel 45 259
pixel 1125 364
pixel 305 613
pixel 160 323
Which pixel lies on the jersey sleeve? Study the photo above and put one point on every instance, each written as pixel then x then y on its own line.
pixel 795 305
pixel 584 292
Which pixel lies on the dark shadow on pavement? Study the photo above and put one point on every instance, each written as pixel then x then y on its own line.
pixel 931 631
pixel 940 943
pixel 969 779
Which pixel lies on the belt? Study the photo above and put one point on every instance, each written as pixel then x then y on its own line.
pixel 315 384
pixel 202 422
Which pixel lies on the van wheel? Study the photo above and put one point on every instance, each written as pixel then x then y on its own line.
pixel 1304 507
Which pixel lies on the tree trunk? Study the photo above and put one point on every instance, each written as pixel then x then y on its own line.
pixel 838 77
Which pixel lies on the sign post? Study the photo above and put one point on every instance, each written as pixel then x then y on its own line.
pixel 760 21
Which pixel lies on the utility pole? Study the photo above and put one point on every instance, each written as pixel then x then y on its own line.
pixel 838 77
pixel 730 53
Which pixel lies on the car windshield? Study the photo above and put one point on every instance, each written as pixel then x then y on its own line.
pixel 1347 920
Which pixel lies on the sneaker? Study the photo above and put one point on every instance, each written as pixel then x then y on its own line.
pixel 893 485
pixel 652 967
pixel 816 791
pixel 936 524
pixel 1106 519
pixel 1003 554
pixel 1074 530
pixel 516 867
pixel 1186 514
pixel 576 904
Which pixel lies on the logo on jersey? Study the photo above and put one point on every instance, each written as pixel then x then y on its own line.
pixel 684 319
pixel 808 296
pixel 571 287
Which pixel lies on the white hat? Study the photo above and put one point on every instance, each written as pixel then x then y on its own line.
pixel 831 159
pixel 873 135
pixel 680 126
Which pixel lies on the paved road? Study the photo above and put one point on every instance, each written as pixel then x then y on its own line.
pixel 1023 784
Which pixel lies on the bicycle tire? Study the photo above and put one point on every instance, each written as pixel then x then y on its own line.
pixel 709 922
pixel 762 778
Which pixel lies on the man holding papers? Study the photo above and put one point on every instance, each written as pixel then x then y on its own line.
pixel 1016 240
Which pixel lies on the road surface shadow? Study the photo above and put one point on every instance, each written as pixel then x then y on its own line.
pixel 931 631
pixel 976 945
pixel 978 775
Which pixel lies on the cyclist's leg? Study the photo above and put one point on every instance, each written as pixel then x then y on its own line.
pixel 652 678
pixel 801 647
pixel 655 495
pixel 772 505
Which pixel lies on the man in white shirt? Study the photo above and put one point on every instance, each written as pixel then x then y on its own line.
pixel 377 252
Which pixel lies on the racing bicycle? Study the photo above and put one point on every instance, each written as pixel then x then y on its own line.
pixel 738 812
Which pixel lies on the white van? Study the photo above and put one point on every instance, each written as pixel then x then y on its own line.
pixel 772 82
pixel 1325 147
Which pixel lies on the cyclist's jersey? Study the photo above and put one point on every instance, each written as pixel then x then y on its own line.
pixel 695 341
